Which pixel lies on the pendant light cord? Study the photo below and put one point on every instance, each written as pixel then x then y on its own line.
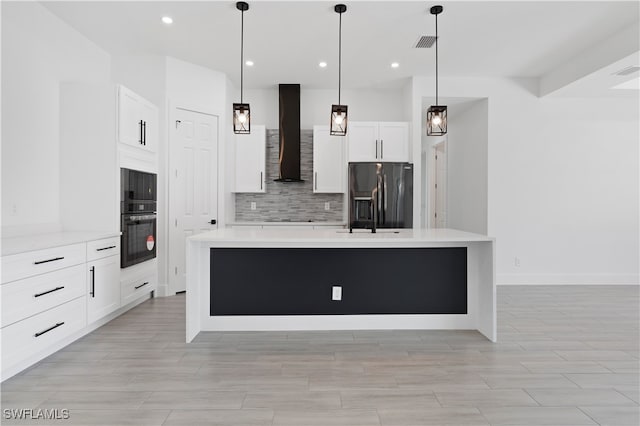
pixel 436 59
pixel 339 58
pixel 241 54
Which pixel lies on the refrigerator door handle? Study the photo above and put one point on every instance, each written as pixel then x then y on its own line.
pixel 384 194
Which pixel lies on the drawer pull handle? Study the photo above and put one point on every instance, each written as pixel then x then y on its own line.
pixel 105 248
pixel 49 291
pixel 48 260
pixel 141 285
pixel 48 329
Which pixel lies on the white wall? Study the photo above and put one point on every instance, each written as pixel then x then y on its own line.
pixel 467 144
pixel 563 181
pixel 315 105
pixel 38 52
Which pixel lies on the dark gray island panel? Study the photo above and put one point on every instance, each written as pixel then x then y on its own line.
pixel 298 281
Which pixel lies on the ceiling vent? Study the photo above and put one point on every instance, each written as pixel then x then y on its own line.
pixel 628 70
pixel 425 42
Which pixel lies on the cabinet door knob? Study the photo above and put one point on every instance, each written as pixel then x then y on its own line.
pixel 213 221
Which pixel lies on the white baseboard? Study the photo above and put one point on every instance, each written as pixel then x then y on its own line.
pixel 567 279
pixel 163 290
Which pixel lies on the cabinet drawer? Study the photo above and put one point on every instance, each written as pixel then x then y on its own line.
pixel 24 298
pixel 35 334
pixel 103 248
pixel 23 265
pixel 135 288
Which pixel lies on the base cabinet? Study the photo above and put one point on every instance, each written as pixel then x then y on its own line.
pixel 54 295
pixel 132 289
pixel 26 339
pixel 103 295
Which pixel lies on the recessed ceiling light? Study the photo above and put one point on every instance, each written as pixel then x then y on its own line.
pixel 322 64
pixel 249 63
pixel 394 65
pixel 167 20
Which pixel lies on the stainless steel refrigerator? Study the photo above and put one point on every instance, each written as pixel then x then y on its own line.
pixel 380 195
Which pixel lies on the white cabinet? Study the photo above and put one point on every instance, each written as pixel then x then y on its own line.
pixel 378 141
pixel 65 289
pixel 134 288
pixel 43 301
pixel 329 167
pixel 137 120
pixel 29 296
pixel 103 268
pixel 250 160
pixel 31 339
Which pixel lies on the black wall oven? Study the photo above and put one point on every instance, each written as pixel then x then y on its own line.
pixel 138 218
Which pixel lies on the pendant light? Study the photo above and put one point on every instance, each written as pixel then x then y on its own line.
pixel 241 111
pixel 436 114
pixel 339 112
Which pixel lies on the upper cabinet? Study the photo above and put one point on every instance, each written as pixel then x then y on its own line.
pixel 378 141
pixel 137 120
pixel 329 166
pixel 250 166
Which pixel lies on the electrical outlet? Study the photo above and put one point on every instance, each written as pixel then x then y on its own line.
pixel 336 292
pixel 516 261
pixel 253 205
pixel 327 205
pixel 14 209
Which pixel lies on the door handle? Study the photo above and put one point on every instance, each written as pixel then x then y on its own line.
pixel 261 181
pixel 213 221
pixel 381 149
pixel 376 148
pixel 140 123
pixel 316 180
pixel 144 133
pixel 93 282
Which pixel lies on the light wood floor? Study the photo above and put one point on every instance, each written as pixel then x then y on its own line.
pixel 566 356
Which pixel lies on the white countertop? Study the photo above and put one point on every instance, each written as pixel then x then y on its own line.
pixel 15 245
pixel 285 223
pixel 322 237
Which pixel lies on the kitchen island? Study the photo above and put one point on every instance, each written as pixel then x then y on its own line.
pixel 284 279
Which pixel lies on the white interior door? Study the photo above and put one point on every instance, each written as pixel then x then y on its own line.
pixel 440 185
pixel 193 187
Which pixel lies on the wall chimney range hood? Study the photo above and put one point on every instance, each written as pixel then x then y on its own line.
pixel 289 119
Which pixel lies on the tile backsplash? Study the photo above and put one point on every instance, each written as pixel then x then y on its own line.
pixel 291 201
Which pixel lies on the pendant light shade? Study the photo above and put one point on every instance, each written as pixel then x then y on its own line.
pixel 241 111
pixel 339 118
pixel 436 114
pixel 241 118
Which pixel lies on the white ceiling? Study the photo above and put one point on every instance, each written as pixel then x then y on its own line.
pixel 286 40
